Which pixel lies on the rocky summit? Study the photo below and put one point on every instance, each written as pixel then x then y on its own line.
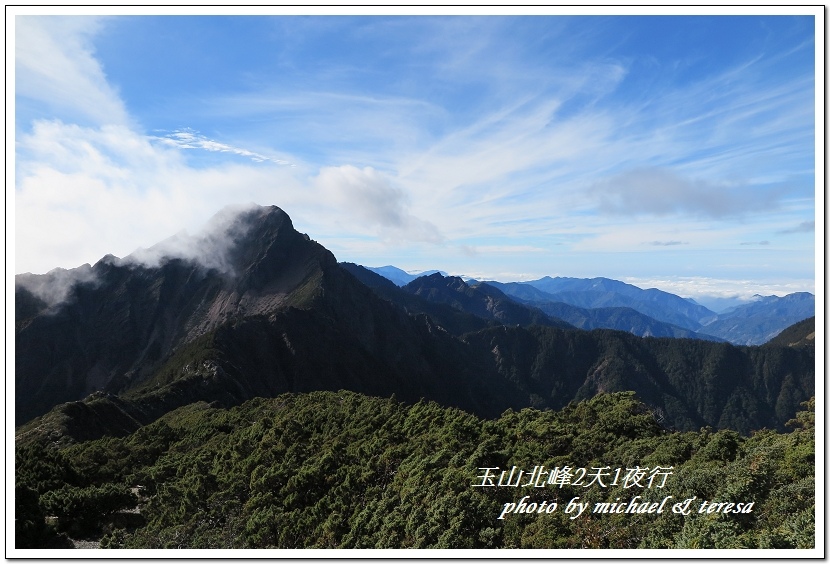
pixel 253 308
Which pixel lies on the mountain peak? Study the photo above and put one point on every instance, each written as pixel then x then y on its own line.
pixel 251 245
pixel 262 250
pixel 437 280
pixel 245 263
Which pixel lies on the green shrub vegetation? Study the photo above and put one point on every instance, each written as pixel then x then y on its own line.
pixel 343 470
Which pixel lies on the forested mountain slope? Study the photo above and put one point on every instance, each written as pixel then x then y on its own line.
pixel 802 334
pixel 280 315
pixel 341 470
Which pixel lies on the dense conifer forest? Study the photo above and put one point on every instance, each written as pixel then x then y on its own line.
pixel 289 404
pixel 343 470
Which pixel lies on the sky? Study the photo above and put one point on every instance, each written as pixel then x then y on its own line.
pixel 676 152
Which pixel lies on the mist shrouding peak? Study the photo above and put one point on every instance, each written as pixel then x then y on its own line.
pixel 54 286
pixel 228 242
pixel 213 246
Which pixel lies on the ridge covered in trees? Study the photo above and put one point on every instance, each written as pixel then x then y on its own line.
pixel 179 405
pixel 342 470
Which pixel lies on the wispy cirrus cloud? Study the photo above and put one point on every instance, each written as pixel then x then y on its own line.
pixel 56 69
pixel 333 127
pixel 111 190
pixel 190 139
pixel 430 138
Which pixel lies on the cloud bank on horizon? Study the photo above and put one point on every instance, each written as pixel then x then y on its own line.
pixel 669 149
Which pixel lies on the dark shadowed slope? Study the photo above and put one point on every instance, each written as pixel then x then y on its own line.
pixel 280 315
pixel 284 317
pixel 802 334
pixel 480 300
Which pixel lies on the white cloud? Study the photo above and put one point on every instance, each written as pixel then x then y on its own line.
pixel 510 173
pixel 666 243
pixel 55 286
pixel 369 197
pixel 97 185
pixel 696 287
pixel 83 192
pixel 346 127
pixel 55 65
pixel 661 192
pixel 209 247
pixel 189 139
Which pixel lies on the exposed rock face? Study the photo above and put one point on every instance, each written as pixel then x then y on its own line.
pixel 281 316
pixel 116 325
pixel 271 311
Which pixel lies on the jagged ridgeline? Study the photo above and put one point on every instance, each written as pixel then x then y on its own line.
pixel 343 470
pixel 255 308
pixel 156 376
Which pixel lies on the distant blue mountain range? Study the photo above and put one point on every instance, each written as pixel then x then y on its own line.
pixel 591 303
pixel 401 277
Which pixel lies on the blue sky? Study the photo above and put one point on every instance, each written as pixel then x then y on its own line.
pixel 666 151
